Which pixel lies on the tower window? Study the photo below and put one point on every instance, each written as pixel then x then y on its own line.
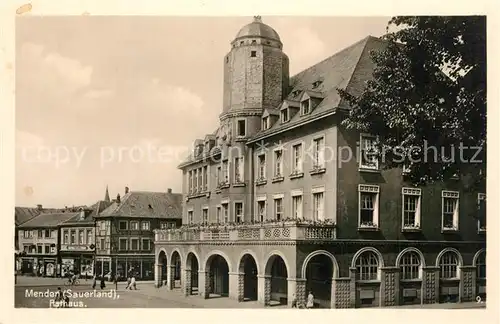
pixel 241 128
pixel 253 53
pixel 242 42
pixel 254 42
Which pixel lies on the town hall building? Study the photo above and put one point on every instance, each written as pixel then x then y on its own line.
pixel 273 209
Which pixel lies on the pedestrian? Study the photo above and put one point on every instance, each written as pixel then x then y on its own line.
pixel 133 283
pixel 129 280
pixel 115 280
pixel 94 281
pixel 294 300
pixel 59 298
pixel 103 284
pixel 310 300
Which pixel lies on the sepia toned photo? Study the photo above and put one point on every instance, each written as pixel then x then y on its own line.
pixel 278 162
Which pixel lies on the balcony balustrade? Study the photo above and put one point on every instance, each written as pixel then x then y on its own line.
pixel 286 230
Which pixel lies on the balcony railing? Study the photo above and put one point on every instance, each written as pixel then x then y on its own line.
pixel 287 230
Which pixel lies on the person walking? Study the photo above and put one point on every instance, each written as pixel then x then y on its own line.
pixel 94 281
pixel 310 300
pixel 103 284
pixel 114 277
pixel 294 300
pixel 133 283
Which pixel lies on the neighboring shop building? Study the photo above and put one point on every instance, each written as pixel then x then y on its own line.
pixel 77 249
pixel 38 237
pixel 124 231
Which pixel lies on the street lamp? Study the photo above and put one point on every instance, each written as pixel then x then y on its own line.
pixel 16 257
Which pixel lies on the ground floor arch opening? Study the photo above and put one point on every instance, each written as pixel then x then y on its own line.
pixel 193 266
pixel 319 276
pixel 218 271
pixel 176 264
pixel 276 268
pixel 248 266
pixel 163 262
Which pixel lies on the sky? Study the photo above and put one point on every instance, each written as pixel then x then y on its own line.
pixel 118 101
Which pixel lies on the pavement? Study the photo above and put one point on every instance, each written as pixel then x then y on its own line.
pixel 146 296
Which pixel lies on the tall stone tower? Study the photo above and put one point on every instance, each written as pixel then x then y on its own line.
pixel 256 75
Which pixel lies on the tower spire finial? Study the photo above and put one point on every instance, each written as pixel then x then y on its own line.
pixel 257 19
pixel 106 196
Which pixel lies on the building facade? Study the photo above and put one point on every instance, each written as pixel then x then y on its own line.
pixel 39 239
pixel 281 201
pixel 124 232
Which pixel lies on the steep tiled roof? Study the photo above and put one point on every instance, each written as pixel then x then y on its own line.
pixel 92 212
pixel 48 220
pixel 144 204
pixel 24 214
pixel 348 69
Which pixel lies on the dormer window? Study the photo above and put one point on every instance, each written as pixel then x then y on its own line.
pixel 284 115
pixel 317 84
pixel 265 123
pixel 295 93
pixel 305 106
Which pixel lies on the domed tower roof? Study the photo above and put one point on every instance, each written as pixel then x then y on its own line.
pixel 258 29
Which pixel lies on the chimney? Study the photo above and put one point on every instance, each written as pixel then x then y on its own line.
pixel 39 207
pixel 169 190
pixel 118 198
pixel 126 190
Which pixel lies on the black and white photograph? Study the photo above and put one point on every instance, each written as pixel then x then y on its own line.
pixel 250 162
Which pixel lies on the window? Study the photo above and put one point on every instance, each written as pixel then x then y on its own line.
pixel 481 206
pixel 225 171
pixel 73 237
pixel 219 175
pixel 262 167
pixel 190 217
pixel 89 237
pixel 481 266
pixel 163 225
pixel 278 163
pixel 297 206
pixel 368 206
pixel 368 151
pixel 253 54
pixel 195 180
pixel 318 206
pixel 103 244
pixel 411 208
pixel 190 181
pixel 40 233
pixel 278 209
pixel 242 132
pixel 26 248
pixel 134 244
pixel 318 153
pixel 81 237
pixel 205 215
pixel 146 244
pixel 200 179
pixel 448 265
pixel 47 233
pixel 238 211
pixel 39 249
pixel 205 178
pixel 305 106
pixel 284 115
pixel 225 212
pixel 238 170
pixel 47 249
pixel 218 214
pixel 410 266
pixel 450 210
pixel 28 234
pixel 123 225
pixel 123 244
pixel 65 237
pixel 367 266
pixel 261 206
pixel 134 225
pixel 297 159
pixel 265 123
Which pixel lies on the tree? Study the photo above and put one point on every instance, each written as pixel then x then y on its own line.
pixel 428 94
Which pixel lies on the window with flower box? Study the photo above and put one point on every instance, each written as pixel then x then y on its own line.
pixel 318 200
pixel 278 208
pixel 368 206
pixel 204 214
pixel 190 217
pixel 218 214
pixel 225 212
pixel 297 205
pixel 450 202
pixel 238 212
pixel 411 208
pixel 261 208
pixel 368 159
pixel 367 267
pixel 448 264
